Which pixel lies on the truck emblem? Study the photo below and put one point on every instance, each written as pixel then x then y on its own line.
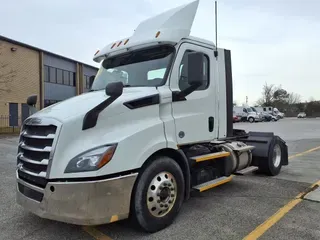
pixel 20 167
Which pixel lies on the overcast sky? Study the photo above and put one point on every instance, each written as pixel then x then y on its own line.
pixel 273 41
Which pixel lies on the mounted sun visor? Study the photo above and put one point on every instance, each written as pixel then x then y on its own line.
pixel 168 27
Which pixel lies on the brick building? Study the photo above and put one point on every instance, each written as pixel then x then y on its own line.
pixel 27 70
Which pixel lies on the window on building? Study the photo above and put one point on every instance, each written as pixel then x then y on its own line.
pixel 66 80
pixel 72 77
pixel 183 75
pixel 52 75
pixel 59 76
pixel 86 81
pixel 46 73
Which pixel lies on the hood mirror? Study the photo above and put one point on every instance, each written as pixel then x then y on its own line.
pixel 114 89
pixel 32 100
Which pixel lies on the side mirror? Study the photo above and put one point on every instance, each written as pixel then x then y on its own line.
pixel 32 100
pixel 195 68
pixel 91 79
pixel 114 89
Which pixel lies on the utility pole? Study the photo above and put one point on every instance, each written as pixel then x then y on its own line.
pixel 246 99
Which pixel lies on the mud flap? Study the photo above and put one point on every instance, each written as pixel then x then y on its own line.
pixel 262 142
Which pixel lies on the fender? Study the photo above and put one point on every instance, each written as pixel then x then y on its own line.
pixel 186 172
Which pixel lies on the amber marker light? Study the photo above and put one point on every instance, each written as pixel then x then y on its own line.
pixel 107 156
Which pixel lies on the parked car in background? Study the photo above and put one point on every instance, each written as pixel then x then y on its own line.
pixel 302 115
pixel 267 117
pixel 236 118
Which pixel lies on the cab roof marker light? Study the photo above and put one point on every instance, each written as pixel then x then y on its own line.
pixel 126 41
pixel 157 34
pixel 113 45
pixel 97 52
pixel 119 43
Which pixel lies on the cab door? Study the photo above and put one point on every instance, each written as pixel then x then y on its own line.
pixel 195 115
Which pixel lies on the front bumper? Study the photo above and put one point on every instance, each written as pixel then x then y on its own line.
pixel 81 203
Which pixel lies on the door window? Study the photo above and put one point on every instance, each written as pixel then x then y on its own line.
pixel 183 73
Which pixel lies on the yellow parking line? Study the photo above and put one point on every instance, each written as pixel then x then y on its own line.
pixel 262 228
pixel 95 233
pixel 305 152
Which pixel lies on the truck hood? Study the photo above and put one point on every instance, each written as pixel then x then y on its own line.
pixel 81 104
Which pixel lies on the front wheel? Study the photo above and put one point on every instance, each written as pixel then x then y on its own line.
pixel 251 119
pixel 158 195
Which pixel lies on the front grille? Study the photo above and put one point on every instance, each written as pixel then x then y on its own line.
pixel 36 149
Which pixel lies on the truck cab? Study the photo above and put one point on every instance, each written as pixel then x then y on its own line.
pixel 156 125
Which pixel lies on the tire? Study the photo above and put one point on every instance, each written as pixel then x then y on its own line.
pixel 146 211
pixel 251 119
pixel 273 120
pixel 272 166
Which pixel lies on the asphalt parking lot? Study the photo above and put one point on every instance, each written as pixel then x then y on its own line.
pixel 231 211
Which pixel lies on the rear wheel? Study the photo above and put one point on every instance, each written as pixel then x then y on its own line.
pixel 158 195
pixel 273 165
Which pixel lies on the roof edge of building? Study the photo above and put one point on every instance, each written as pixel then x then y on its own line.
pixel 42 50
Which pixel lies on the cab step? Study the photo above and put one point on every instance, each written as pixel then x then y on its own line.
pixel 247 170
pixel 210 156
pixel 211 184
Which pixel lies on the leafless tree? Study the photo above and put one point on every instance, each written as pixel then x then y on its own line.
pixel 294 98
pixel 267 95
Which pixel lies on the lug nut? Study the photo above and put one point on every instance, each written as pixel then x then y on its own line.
pixel 169 184
pixel 172 195
pixel 165 184
pixel 158 201
pixel 161 205
pixel 166 205
pixel 172 189
pixel 158 194
pixel 160 188
pixel 170 201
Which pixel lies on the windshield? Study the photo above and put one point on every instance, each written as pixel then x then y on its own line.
pixel 147 67
pixel 253 109
pixel 249 110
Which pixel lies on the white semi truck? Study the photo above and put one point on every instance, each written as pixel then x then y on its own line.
pixel 140 141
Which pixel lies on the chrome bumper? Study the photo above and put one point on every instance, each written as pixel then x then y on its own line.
pixel 81 203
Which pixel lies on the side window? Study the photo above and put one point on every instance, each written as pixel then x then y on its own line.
pixel 264 109
pixel 245 110
pixel 183 74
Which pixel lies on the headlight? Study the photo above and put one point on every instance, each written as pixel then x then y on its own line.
pixel 91 160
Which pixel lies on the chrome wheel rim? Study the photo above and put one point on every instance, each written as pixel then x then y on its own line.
pixel 161 194
pixel 276 155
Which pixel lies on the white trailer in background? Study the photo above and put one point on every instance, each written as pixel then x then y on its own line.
pixel 136 145
pixel 247 114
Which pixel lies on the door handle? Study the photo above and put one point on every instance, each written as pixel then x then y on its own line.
pixel 211 123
